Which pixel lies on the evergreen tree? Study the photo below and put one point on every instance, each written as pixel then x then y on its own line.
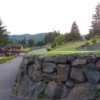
pixel 31 42
pixel 74 33
pixel 95 28
pixel 3 35
pixel 23 41
pixel 50 36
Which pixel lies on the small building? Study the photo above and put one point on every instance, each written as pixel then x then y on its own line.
pixel 12 49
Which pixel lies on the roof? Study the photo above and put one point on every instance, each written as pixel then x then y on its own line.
pixel 17 45
pixel 5 48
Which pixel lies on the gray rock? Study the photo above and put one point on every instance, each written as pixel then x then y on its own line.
pixel 39 59
pixel 91 74
pixel 71 58
pixel 36 89
pixel 56 91
pixel 48 77
pixel 63 72
pixel 24 86
pixel 80 91
pixel 50 89
pixel 79 56
pixel 30 70
pixel 77 75
pixel 37 76
pixel 89 98
pixel 60 59
pixel 90 60
pixel 48 59
pixel 78 62
pixel 49 67
pixel 98 64
pixel 60 92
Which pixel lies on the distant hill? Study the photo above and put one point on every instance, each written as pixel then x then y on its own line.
pixel 36 37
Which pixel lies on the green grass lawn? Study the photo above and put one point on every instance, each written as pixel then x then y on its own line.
pixel 5 59
pixel 26 49
pixel 64 52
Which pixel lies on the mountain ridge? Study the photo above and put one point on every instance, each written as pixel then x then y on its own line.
pixel 36 37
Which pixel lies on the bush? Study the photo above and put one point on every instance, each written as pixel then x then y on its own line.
pixel 53 45
pixel 48 49
pixel 94 40
pixel 42 95
pixel 86 44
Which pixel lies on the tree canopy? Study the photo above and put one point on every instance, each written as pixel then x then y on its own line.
pixel 95 27
pixel 3 35
pixel 74 33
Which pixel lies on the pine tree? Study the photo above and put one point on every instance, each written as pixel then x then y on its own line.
pixel 96 22
pixel 74 33
pixel 3 35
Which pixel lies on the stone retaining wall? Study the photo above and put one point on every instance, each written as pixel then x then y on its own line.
pixel 70 77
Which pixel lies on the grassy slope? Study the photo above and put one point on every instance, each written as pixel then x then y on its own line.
pixel 67 48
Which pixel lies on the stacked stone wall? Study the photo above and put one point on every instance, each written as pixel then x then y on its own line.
pixel 66 77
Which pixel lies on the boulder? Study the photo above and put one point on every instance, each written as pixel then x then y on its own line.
pixel 60 92
pixel 56 91
pixel 39 59
pixel 60 59
pixel 48 59
pixel 37 76
pixel 79 56
pixel 36 89
pixel 51 86
pixel 90 60
pixel 37 66
pixel 71 58
pixel 24 86
pixel 77 75
pixel 98 64
pixel 81 92
pixel 30 70
pixel 63 72
pixel 91 74
pixel 48 77
pixel 78 63
pixel 49 67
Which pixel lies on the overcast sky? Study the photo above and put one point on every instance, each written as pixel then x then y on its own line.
pixel 36 16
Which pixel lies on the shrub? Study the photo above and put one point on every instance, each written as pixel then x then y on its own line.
pixel 48 49
pixel 53 45
pixel 86 44
pixel 97 92
pixel 42 95
pixel 94 40
pixel 13 91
